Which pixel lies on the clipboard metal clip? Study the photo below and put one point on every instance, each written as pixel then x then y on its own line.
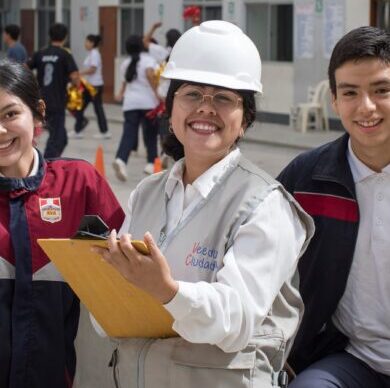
pixel 92 227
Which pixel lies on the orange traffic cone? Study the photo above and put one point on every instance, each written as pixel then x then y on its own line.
pixel 157 167
pixel 99 161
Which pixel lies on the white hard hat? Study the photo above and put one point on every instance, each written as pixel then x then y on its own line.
pixel 216 53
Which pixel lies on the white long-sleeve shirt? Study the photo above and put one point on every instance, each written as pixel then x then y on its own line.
pixel 263 256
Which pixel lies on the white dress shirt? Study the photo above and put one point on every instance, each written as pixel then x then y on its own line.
pixel 363 313
pixel 263 256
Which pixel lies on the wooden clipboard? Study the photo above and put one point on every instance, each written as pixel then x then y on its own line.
pixel 122 309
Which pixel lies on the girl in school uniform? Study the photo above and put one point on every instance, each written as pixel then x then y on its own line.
pixel 38 199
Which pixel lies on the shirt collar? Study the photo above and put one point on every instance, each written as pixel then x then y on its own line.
pixel 204 183
pixel 359 170
pixel 35 165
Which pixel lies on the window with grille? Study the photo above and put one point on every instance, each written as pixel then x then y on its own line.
pixel 270 26
pixel 46 14
pixel 383 14
pixel 209 10
pixel 131 20
pixel 5 18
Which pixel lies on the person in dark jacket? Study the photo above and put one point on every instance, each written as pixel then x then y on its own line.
pixel 39 198
pixel 344 339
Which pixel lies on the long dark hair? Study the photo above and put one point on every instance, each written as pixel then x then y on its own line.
pixel 17 80
pixel 94 39
pixel 172 146
pixel 134 47
pixel 172 36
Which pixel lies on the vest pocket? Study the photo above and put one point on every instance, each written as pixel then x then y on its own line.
pixel 203 365
pixel 129 362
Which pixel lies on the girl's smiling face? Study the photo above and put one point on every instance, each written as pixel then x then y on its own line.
pixel 16 136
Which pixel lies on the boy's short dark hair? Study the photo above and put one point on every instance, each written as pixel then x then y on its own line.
pixel 58 32
pixel 362 42
pixel 13 31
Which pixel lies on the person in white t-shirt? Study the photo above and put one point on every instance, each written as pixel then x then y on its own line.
pixel 92 72
pixel 161 55
pixel 139 95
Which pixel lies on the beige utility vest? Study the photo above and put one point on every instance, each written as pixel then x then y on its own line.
pixel 201 241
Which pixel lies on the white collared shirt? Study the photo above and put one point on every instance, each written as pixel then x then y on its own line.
pixel 183 199
pixel 263 256
pixel 363 313
pixel 35 166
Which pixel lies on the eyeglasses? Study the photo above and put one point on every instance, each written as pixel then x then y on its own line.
pixel 191 98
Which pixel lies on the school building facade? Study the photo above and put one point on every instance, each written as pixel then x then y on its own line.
pixel 295 37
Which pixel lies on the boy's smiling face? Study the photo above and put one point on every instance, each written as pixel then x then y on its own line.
pixel 363 104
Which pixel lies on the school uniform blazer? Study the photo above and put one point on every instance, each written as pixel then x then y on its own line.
pixel 38 311
pixel 321 181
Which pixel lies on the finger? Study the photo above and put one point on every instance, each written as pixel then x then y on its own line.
pixel 118 257
pixel 103 252
pixel 98 250
pixel 150 243
pixel 112 241
pixel 126 246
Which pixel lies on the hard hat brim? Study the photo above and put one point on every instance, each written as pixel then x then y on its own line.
pixel 216 79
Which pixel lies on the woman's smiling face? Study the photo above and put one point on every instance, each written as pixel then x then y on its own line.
pixel 207 130
pixel 16 136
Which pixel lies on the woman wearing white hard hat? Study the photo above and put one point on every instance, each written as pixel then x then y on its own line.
pixel 224 237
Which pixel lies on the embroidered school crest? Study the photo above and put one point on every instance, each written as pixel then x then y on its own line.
pixel 50 209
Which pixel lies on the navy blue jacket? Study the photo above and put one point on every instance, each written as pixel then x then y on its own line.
pixel 321 181
pixel 38 311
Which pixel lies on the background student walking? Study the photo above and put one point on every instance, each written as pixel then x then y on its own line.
pixel 55 68
pixel 92 71
pixel 139 95
pixel 15 51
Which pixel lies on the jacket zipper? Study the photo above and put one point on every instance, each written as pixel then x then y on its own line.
pixel 113 364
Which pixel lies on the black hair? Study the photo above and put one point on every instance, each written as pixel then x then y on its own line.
pixel 360 43
pixel 172 146
pixel 13 31
pixel 172 36
pixel 58 32
pixel 18 80
pixel 94 39
pixel 134 47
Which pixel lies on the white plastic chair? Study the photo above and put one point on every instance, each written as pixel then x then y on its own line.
pixel 317 106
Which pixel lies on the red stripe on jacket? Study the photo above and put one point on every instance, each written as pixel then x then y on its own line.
pixel 340 208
